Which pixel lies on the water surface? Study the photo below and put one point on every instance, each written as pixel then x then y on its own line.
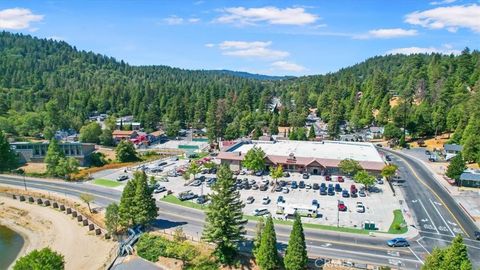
pixel 10 245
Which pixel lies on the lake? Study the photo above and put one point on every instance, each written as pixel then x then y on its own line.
pixel 10 245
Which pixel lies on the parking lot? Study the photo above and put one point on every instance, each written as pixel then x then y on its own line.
pixel 378 205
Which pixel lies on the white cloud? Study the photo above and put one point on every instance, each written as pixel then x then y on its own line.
pixel 269 14
pixel 173 20
pixel 194 20
pixel 288 66
pixel 254 49
pixel 447 49
pixel 18 18
pixel 444 2
pixel 209 45
pixel 450 18
pixel 389 33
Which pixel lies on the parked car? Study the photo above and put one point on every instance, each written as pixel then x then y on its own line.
pixel 340 179
pixel 162 163
pixel 252 181
pixel 398 242
pixel 188 195
pixel 159 189
pixel 263 187
pixel 280 199
pixel 286 174
pixel 315 203
pixel 278 189
pixel 323 190
pixel 380 181
pixel 250 200
pixel 353 189
pixel 282 183
pixel 345 193
pixel 361 193
pixel 260 212
pixel 122 177
pixel 328 178
pixel 305 176
pixel 259 173
pixel 294 185
pixel 173 174
pixel 338 188
pixel 211 181
pixel 331 191
pixel 341 206
pixel 285 190
pixel 428 153
pixel 316 186
pixel 360 207
pixel 388 158
pixel 265 200
pixel 201 199
pixel 247 186
pixel 354 194
pixel 174 158
pixel 265 181
pixel 301 184
pixel 156 170
pixel 196 183
pixel 201 178
pixel 255 187
pixel 477 235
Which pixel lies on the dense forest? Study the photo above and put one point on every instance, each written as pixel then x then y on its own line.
pixel 46 85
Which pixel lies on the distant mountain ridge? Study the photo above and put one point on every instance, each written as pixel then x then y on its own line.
pixel 255 76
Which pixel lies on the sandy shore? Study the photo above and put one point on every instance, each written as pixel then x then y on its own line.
pixel 46 227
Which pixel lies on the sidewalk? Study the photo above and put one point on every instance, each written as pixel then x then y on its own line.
pixel 467 198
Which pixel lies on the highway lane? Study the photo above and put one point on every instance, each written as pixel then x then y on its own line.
pixel 358 248
pixel 437 216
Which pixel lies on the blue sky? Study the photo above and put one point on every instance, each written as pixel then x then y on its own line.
pixel 267 37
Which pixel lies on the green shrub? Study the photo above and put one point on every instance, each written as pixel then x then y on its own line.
pixel 397 227
pixel 151 247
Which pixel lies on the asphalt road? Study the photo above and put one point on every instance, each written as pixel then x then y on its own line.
pixel 320 244
pixel 436 214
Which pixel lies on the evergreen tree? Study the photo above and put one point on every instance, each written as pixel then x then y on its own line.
pixel 311 133
pixel 273 127
pixel 8 158
pixel 125 151
pixel 145 207
pixel 258 236
pixel 66 166
pixel 267 254
pixel 53 157
pixel 223 222
pixel 127 207
pixel 296 254
pixel 456 167
pixel 454 256
pixel 434 260
pixel 45 259
pixel 106 138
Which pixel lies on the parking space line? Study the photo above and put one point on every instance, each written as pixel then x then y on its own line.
pixel 443 219
pixel 415 254
pixel 418 241
pixel 428 215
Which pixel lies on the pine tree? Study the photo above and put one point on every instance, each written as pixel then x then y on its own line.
pixel 456 256
pixel 8 159
pixel 456 167
pixel 125 152
pixel 268 258
pixel 112 218
pixel 296 254
pixel 145 207
pixel 53 157
pixel 258 236
pixel 434 260
pixel 224 225
pixel 273 127
pixel 127 207
pixel 311 133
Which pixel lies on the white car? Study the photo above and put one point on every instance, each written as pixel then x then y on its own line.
pixel 159 189
pixel 265 200
pixel 260 212
pixel 285 190
pixel 360 207
pixel 308 186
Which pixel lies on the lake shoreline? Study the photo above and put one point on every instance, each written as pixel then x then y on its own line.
pixel 23 235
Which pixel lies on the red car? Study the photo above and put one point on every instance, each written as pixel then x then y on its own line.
pixel 353 189
pixel 341 206
pixel 340 179
pixel 328 178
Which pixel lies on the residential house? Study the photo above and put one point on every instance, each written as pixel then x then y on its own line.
pixel 119 135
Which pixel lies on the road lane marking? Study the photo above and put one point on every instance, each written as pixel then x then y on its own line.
pixel 427 186
pixel 200 220
pixel 444 221
pixel 448 241
pixel 418 241
pixel 416 256
pixel 429 217
pixel 363 253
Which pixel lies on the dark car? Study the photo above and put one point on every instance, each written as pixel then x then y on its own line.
pixel 294 185
pixel 316 186
pixel 282 183
pixel 477 235
pixel 388 158
pixel 259 173
pixel 278 189
pixel 201 178
pixel 328 178
pixel 254 186
pixel 315 203
pixel 428 153
pixel 213 170
pixel 305 176
pixel 345 193
pixel 340 179
pixel 301 184
pixel 323 185
pixel 163 163
pixel 323 190
pixel 280 199
pixel 354 194
pixel 353 188
pixel 338 188
pixel 202 199
pixel 263 187
pixel 196 183
pixel 398 242
pixel 331 191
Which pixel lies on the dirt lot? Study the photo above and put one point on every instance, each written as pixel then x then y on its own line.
pixel 34 167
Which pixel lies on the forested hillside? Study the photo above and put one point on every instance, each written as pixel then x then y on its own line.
pixel 46 85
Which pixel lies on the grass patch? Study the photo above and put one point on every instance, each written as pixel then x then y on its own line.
pixel 398 224
pixel 106 183
pixel 175 200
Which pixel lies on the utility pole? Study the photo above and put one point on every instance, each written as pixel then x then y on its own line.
pixel 338 216
pixel 24 182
